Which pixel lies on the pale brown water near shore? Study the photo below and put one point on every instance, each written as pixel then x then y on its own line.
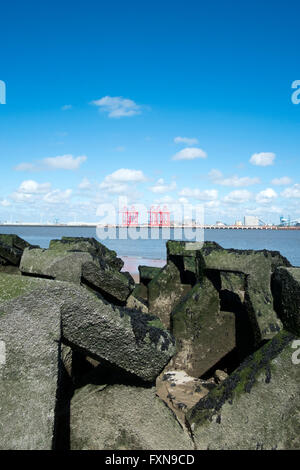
pixel 131 265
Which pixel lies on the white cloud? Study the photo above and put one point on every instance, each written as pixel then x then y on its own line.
pixel 263 159
pixel 25 167
pixel 126 175
pixel 233 181
pixel 164 200
pixel 212 204
pixel 259 210
pixel 66 107
pixel 63 162
pixel 189 153
pixel 284 180
pixel 238 196
pixel 186 140
pixel 117 182
pixel 57 196
pixel 21 197
pixel 266 196
pixel 160 187
pixel 5 203
pixel 117 106
pixel 205 195
pixel 85 184
pixel 183 200
pixel 32 187
pixel 292 192
pixel 114 188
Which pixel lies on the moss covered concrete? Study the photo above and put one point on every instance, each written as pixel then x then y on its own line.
pixel 164 292
pixel 203 333
pixel 257 406
pixel 89 245
pixel 286 292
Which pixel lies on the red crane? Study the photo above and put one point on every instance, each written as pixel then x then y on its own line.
pixel 129 217
pixel 159 217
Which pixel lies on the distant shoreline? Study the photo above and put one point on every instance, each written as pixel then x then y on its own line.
pixel 204 227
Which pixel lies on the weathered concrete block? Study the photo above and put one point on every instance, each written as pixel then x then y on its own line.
pixel 258 267
pixel 203 333
pixel 89 245
pixel 14 241
pixel 136 304
pixel 129 339
pixel 59 265
pixel 147 273
pixel 30 373
pixel 182 254
pixel 112 284
pixel 256 407
pixel 165 291
pixel 9 255
pixel 121 417
pixel 286 292
pixel 11 249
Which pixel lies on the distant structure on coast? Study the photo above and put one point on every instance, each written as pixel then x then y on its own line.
pixel 159 217
pixel 251 220
pixel 130 217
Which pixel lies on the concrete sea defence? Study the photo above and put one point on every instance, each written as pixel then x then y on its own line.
pixel 200 354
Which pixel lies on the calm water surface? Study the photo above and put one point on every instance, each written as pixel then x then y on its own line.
pixel 287 242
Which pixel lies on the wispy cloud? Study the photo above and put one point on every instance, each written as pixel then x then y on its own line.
pixel 233 181
pixel 117 106
pixel 32 187
pixel 160 187
pixel 186 140
pixel 263 159
pixel 57 196
pixel 266 196
pixel 85 184
pixel 66 107
pixel 284 180
pixel 189 153
pixel 201 195
pixel 238 196
pixel 63 162
pixel 5 203
pixel 292 192
pixel 118 181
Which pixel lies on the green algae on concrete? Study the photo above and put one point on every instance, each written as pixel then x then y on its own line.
pixel 12 286
pixel 11 249
pixel 89 245
pixel 147 273
pixel 203 333
pixel 124 417
pixel 258 267
pixel 53 264
pixel 30 377
pixel 113 285
pixel 164 291
pixel 9 255
pixel 256 407
pixel 286 292
pixel 14 241
pixel 129 339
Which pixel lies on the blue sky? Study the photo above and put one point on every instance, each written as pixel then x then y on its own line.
pixel 159 102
